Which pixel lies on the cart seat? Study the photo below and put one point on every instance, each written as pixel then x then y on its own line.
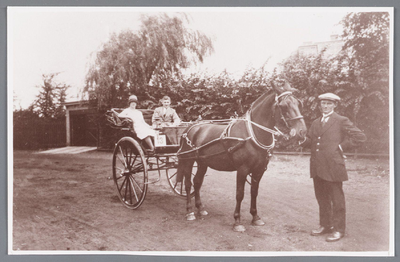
pixel 171 135
pixel 117 122
pixel 121 122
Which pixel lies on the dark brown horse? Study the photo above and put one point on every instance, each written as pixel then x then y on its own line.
pixel 243 145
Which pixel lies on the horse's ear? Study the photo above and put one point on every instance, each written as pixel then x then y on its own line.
pixel 275 87
pixel 287 87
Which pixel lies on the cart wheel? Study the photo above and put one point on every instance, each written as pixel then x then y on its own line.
pixel 178 187
pixel 130 172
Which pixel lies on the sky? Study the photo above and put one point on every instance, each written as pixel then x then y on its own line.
pixel 64 40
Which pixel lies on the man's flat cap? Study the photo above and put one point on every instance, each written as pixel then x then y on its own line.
pixel 329 96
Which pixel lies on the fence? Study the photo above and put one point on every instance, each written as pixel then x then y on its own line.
pixel 35 133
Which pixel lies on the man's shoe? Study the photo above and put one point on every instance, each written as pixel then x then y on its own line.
pixel 335 236
pixel 321 230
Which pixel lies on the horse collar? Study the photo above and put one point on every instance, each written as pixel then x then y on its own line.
pixel 253 136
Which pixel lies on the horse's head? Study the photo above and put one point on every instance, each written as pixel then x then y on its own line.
pixel 288 106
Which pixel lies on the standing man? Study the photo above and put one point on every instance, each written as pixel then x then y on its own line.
pixel 165 115
pixel 328 136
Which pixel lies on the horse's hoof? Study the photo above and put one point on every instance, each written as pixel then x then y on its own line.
pixel 239 228
pixel 203 213
pixel 190 217
pixel 258 222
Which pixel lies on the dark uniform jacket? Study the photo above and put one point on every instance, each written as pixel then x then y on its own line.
pixel 327 161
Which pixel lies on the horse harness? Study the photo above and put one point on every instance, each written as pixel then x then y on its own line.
pixel 225 135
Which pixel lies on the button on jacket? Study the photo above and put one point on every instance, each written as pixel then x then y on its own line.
pixel 327 161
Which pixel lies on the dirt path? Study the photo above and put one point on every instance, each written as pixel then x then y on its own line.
pixel 68 202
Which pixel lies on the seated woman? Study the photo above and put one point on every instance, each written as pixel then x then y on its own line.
pixel 142 129
pixel 165 115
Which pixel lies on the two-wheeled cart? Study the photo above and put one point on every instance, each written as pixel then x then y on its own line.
pixel 131 163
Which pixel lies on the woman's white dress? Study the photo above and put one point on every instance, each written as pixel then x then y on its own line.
pixel 142 129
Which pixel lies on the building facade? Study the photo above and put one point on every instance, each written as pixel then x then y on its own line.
pixel 331 47
pixel 81 123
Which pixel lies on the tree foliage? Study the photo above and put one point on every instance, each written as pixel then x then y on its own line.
pixel 366 36
pixel 367 41
pixel 366 58
pixel 359 74
pixel 311 76
pixel 48 103
pixel 148 63
pixel 220 96
pixel 131 61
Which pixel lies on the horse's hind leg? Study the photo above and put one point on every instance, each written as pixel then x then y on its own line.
pixel 255 182
pixel 185 170
pixel 198 182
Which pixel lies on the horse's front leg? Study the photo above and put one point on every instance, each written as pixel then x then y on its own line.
pixel 255 182
pixel 197 183
pixel 240 183
pixel 189 207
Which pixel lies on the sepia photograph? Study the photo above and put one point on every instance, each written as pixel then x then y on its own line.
pixel 200 131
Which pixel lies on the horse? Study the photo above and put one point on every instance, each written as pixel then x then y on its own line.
pixel 244 145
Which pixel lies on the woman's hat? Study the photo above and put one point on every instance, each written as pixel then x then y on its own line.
pixel 133 98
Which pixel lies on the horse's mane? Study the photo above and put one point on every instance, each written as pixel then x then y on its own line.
pixel 267 95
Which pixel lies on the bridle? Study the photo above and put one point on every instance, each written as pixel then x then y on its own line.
pixel 277 132
pixel 279 99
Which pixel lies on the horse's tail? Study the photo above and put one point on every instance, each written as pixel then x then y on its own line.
pixel 185 166
pixel 185 161
pixel 181 161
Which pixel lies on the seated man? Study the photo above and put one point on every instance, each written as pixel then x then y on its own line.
pixel 165 116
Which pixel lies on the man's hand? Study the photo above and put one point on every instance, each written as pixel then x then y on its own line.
pixel 302 142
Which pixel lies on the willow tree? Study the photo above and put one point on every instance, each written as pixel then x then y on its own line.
pixel 134 62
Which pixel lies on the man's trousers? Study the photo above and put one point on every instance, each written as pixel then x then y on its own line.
pixel 332 206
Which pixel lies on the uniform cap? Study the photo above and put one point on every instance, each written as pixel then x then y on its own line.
pixel 329 96
pixel 133 98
